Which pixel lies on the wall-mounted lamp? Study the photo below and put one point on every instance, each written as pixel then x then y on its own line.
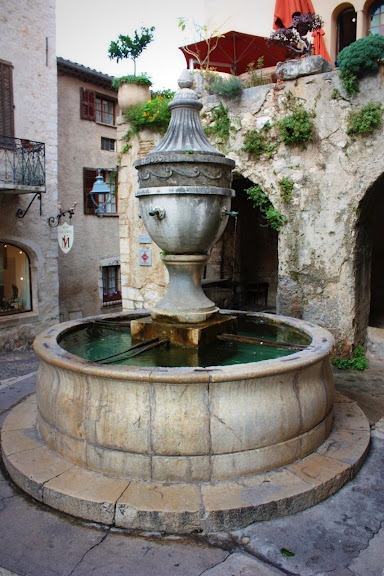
pixel 100 195
pixel 54 221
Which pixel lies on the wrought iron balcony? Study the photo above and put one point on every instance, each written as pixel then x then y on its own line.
pixel 22 165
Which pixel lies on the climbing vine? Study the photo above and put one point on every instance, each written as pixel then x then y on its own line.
pixel 217 123
pixel 260 200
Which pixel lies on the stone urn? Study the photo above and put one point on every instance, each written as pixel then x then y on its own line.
pixel 185 199
pixel 132 95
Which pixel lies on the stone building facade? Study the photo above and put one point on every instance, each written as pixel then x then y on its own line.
pixel 87 115
pixel 29 282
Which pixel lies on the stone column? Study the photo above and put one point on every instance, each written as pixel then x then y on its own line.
pixel 361 24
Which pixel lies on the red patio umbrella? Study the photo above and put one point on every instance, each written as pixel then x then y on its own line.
pixel 235 51
pixel 283 17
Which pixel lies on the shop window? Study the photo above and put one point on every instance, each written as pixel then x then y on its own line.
pixel 111 286
pixel 110 177
pixel 15 282
pixel 376 18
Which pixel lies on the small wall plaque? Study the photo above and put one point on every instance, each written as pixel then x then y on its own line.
pixel 145 239
pixel 145 257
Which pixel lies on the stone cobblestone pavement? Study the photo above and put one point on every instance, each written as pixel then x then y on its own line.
pixel 342 536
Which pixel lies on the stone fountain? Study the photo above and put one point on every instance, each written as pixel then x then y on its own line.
pixel 185 449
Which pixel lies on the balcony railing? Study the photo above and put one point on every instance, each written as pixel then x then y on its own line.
pixel 22 164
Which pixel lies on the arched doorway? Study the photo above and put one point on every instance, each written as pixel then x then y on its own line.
pixel 369 272
pixel 346 28
pixel 245 259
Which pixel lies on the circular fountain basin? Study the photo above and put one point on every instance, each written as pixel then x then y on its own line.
pixel 185 424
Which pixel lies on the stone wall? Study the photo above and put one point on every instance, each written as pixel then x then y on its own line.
pixel 323 266
pixel 28 42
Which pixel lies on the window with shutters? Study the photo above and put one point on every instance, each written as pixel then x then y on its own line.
pixel 7 127
pixel 96 107
pixel 110 177
pixel 87 104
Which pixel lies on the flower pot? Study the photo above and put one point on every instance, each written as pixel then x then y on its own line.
pixel 132 94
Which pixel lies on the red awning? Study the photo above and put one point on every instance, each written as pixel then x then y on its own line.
pixel 283 17
pixel 235 51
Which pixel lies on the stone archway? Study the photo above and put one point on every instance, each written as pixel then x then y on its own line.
pixel 369 274
pixel 245 257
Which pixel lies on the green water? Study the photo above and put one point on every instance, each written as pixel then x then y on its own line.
pixel 95 342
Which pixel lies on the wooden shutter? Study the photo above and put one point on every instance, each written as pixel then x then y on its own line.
pixel 89 177
pixel 87 104
pixel 7 127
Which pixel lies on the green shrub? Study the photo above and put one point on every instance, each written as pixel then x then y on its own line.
pixel 358 59
pixel 286 187
pixel 257 142
pixel 296 128
pixel 153 114
pixel 350 82
pixel 218 123
pixel 229 87
pixel 261 201
pixel 357 362
pixel 365 120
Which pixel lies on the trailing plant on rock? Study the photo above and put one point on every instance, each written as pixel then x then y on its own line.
pixel 297 127
pixel 217 123
pixel 257 142
pixel 365 120
pixel 286 187
pixel 260 200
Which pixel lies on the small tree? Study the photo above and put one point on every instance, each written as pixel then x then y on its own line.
pixel 294 37
pixel 127 47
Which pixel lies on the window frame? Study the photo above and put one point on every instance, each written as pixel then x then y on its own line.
pixel 374 6
pixel 104 139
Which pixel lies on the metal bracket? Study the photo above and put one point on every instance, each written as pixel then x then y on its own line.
pixel 21 213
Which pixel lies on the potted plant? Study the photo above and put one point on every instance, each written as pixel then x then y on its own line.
pixel 132 89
